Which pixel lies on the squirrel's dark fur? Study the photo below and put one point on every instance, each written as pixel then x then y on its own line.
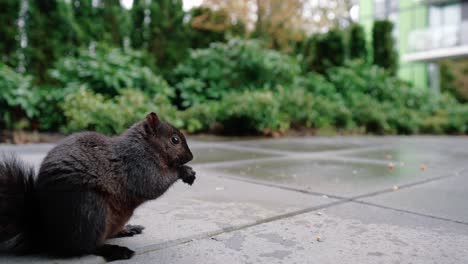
pixel 87 189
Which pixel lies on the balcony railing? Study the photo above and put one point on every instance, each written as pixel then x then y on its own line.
pixel 438 37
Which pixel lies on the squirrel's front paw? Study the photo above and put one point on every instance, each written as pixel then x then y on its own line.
pixel 187 174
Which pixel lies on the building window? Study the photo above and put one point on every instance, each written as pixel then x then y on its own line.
pixel 464 8
pixel 445 15
pixel 384 8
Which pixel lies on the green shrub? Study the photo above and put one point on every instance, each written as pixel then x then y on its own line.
pixel 248 112
pixel 107 71
pixel 17 98
pixel 354 97
pixel 383 45
pixel 251 112
pixel 86 110
pixel 49 115
pixel 312 102
pixel 239 65
pixel 453 78
pixel 457 119
pixel 201 117
pixel 404 120
pixel 447 116
pixel 359 77
pixel 316 84
pixel 370 114
pixel 298 105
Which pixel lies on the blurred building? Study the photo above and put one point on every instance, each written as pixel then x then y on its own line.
pixel 426 31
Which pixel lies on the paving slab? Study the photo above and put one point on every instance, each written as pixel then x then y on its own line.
pixel 31 153
pixel 338 178
pixel 308 144
pixel 206 154
pixel 446 198
pixel 26 148
pixel 328 237
pixel 445 155
pixel 366 214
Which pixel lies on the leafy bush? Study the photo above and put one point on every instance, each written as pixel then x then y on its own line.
pixel 454 78
pixel 107 71
pixel 201 117
pixel 209 74
pixel 17 98
pixel 251 112
pixel 234 88
pixel 317 84
pixel 359 77
pixel 86 110
pixel 297 104
pixel 49 115
pixel 447 116
pixel 248 112
pixel 311 107
pixel 370 114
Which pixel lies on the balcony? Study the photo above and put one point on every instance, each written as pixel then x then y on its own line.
pixel 436 43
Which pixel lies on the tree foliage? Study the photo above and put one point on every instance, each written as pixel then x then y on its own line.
pixel 52 32
pixel 383 46
pixel 159 27
pixel 140 31
pixel 329 50
pixel 9 15
pixel 357 42
pixel 208 25
pixel 104 21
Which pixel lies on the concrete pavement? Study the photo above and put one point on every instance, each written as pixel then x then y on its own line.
pixel 305 200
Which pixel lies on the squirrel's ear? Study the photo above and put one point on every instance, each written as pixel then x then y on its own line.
pixel 152 120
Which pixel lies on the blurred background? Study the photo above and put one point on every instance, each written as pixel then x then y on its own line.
pixel 245 67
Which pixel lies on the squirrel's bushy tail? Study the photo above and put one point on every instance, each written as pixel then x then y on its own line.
pixel 16 204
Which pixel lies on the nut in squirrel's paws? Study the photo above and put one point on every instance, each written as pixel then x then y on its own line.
pixel 187 174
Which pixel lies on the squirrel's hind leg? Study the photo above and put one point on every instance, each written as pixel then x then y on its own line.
pixel 114 252
pixel 72 222
pixel 130 230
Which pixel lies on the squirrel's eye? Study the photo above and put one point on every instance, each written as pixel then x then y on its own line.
pixel 175 140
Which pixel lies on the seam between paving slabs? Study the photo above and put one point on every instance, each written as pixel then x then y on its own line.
pixel 217 164
pixel 283 154
pixel 410 212
pixel 354 149
pixel 204 235
pixel 455 174
pixel 353 198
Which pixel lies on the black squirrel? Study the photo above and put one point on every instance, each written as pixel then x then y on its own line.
pixel 87 189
